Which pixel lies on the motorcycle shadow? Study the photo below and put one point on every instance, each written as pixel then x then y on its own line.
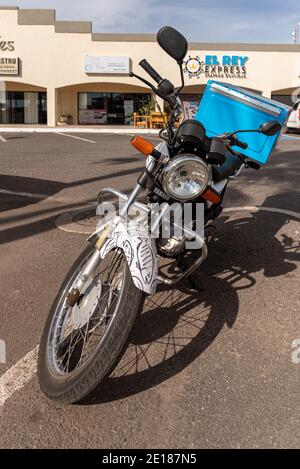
pixel 178 325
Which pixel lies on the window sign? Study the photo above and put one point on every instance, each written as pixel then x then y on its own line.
pixel 93 116
pixel 128 111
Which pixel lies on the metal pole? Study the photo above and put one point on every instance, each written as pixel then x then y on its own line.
pixel 296 33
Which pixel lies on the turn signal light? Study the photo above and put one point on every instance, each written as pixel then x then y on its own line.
pixel 142 145
pixel 211 195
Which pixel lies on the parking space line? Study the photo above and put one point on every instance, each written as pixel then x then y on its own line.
pixel 289 137
pixel 23 194
pixel 32 195
pixel 18 376
pixel 282 211
pixel 2 139
pixel 74 136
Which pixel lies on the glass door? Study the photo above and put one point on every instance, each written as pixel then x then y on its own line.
pixel 17 107
pixel 4 108
pixel 31 106
pixel 42 107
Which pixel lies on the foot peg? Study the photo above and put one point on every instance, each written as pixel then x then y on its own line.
pixel 253 165
pixel 171 281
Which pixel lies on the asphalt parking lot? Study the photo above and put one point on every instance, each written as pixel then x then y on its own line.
pixel 210 369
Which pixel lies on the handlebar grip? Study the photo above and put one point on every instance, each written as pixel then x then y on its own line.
pixel 150 70
pixel 241 144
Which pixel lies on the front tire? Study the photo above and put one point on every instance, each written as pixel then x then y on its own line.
pixel 68 368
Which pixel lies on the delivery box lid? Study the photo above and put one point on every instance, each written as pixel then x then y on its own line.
pixel 228 108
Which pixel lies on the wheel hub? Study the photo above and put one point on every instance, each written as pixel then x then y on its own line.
pixel 87 303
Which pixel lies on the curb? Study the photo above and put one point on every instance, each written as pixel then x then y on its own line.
pixel 66 130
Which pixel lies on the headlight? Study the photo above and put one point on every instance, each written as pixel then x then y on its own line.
pixel 185 177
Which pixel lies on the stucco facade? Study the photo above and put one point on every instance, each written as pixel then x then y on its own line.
pixel 51 61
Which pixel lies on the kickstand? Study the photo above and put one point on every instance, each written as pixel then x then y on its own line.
pixel 183 265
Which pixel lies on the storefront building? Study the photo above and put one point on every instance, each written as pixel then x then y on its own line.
pixel 54 72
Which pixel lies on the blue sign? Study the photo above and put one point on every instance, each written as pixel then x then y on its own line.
pixel 229 60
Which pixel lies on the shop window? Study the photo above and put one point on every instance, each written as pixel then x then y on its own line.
pixel 18 107
pixel 110 108
pixel 284 99
pixel 190 103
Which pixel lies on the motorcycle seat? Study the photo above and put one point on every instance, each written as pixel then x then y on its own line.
pixel 231 165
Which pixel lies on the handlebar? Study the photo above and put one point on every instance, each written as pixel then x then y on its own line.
pixel 150 70
pixel 223 143
pixel 235 142
pixel 165 88
pixel 239 143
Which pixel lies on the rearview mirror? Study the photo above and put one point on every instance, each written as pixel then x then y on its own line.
pixel 270 128
pixel 173 43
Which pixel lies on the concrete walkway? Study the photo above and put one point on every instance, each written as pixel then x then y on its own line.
pixel 76 129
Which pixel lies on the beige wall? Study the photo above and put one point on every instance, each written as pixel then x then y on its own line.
pixel 54 61
pixel 13 86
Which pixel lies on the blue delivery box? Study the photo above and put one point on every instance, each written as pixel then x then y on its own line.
pixel 227 108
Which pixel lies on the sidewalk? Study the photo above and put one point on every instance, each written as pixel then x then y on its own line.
pixel 78 129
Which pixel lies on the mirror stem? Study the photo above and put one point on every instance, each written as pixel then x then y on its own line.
pixel 182 78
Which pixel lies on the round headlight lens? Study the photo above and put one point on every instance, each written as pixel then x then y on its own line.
pixel 185 177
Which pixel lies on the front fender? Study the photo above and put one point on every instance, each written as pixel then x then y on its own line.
pixel 140 252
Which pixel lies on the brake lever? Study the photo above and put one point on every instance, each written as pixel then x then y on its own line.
pixel 169 99
pixel 238 155
pixel 248 163
pixel 155 90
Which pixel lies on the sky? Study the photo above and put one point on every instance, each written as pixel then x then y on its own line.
pixel 199 20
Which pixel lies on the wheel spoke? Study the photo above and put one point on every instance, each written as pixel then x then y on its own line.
pixel 72 344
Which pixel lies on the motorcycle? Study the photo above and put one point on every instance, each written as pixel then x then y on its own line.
pixel 93 313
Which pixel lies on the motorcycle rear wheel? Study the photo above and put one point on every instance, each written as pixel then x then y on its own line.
pixel 70 363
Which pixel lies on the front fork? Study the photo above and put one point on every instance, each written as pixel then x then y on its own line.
pixel 92 264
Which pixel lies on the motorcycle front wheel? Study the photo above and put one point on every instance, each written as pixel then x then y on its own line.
pixel 80 345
